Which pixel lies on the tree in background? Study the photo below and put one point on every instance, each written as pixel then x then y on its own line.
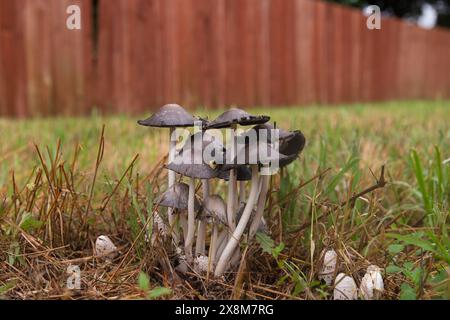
pixel 407 9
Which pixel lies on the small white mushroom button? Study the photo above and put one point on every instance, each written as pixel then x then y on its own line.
pixel 345 288
pixel 372 285
pixel 328 267
pixel 201 264
pixel 104 247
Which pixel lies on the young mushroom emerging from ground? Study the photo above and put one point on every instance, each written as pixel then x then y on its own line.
pixel 345 288
pixel 372 285
pixel 329 263
pixel 170 116
pixel 105 248
pixel 159 229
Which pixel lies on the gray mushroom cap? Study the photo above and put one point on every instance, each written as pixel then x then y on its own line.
pixel 294 144
pixel 170 115
pixel 176 197
pixel 215 207
pixel 184 162
pixel 282 134
pixel 291 143
pixel 236 116
pixel 292 147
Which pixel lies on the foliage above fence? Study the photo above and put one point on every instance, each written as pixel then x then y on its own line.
pixel 132 56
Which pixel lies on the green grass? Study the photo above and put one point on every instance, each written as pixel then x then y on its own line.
pixel 388 130
pixel 403 227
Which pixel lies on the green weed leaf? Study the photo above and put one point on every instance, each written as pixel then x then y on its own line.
pixel 406 292
pixel 29 223
pixel 159 292
pixel 393 269
pixel 143 281
pixel 396 248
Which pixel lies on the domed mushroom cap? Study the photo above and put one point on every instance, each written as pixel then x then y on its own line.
pixel 190 160
pixel 345 288
pixel 243 173
pixel 176 197
pixel 372 285
pixel 291 147
pixel 236 116
pixel 105 247
pixel 328 268
pixel 293 144
pixel 170 115
pixel 215 207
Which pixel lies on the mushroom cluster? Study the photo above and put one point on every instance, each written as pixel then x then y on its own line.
pixel 249 157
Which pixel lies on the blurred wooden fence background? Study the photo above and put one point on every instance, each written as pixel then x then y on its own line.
pixel 135 55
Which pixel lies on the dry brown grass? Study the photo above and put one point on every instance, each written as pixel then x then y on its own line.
pixel 71 203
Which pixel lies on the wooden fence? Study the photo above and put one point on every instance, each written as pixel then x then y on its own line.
pixel 135 55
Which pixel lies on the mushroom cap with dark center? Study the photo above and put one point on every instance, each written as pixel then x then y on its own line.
pixel 236 116
pixel 215 207
pixel 176 197
pixel 243 173
pixel 170 115
pixel 185 161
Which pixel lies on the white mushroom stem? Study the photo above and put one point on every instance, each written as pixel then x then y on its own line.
pixel 235 258
pixel 191 222
pixel 231 200
pixel 259 206
pixel 237 234
pixel 214 244
pixel 171 181
pixel 222 242
pixel 232 184
pixel 201 235
pixel 241 191
pixel 184 225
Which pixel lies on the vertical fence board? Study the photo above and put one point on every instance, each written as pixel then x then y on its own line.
pixel 210 53
pixel 262 59
pixel 303 40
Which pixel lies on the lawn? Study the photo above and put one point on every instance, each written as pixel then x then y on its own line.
pixel 57 195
